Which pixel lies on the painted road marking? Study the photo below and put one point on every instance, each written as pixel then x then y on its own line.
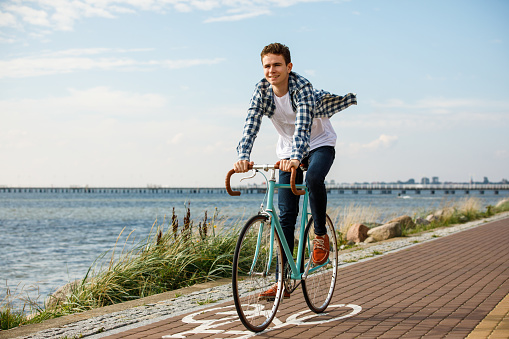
pixel 209 326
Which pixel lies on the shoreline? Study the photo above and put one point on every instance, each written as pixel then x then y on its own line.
pixel 120 317
pixel 67 236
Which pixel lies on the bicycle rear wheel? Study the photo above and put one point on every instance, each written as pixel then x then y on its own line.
pixel 255 270
pixel 318 286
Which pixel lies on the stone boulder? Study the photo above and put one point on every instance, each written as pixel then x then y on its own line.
pixel 462 219
pixel 421 221
pixel 386 231
pixel 369 240
pixel 432 218
pixel 502 202
pixel 406 222
pixel 60 295
pixel 357 233
pixel 444 212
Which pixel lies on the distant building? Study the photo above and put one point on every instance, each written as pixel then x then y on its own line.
pixel 486 181
pixel 409 182
pixel 435 181
pixel 425 181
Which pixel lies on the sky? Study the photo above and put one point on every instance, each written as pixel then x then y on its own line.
pixel 130 93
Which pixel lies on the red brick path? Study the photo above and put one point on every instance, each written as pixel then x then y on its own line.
pixel 438 289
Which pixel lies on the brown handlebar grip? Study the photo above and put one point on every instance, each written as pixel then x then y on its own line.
pixel 227 184
pixel 292 183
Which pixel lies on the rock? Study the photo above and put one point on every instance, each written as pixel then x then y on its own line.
pixel 386 231
pixel 369 240
pixel 502 202
pixel 432 218
pixel 372 224
pixel 462 219
pixel 357 233
pixel 421 221
pixel 61 294
pixel 444 212
pixel 405 221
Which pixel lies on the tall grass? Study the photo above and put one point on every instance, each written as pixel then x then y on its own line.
pixel 344 217
pixel 458 212
pixel 171 257
pixel 9 316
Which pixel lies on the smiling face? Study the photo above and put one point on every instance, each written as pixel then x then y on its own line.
pixel 276 72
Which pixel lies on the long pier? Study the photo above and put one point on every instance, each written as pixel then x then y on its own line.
pixel 400 189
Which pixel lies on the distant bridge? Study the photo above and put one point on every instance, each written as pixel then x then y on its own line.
pixel 418 188
pixel 400 189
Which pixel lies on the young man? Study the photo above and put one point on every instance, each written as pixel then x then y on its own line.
pixel 300 115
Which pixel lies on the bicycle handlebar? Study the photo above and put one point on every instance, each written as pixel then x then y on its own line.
pixel 266 168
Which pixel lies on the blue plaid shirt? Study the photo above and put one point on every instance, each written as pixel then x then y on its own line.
pixel 307 103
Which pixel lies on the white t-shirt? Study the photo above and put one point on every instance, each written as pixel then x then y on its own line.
pixel 322 132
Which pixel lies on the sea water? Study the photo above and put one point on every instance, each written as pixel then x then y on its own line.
pixel 50 239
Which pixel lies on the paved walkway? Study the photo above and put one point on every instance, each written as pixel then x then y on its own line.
pixel 454 287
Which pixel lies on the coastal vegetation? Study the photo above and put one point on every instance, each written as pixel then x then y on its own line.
pixel 178 254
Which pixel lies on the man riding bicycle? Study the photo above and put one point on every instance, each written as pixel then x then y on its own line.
pixel 300 114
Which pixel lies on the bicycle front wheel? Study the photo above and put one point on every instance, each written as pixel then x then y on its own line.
pixel 318 286
pixel 255 270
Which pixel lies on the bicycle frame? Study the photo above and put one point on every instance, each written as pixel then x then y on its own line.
pixel 276 226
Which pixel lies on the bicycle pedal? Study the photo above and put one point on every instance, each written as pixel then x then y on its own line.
pixel 266 299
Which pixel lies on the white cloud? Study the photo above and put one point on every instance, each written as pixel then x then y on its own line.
pixel 452 108
pixel 27 67
pixel 91 51
pixel 6 39
pixel 99 101
pixel 176 139
pixel 28 14
pixel 432 103
pixel 178 64
pixel 74 60
pixel 7 19
pixel 100 145
pixel 238 17
pixel 62 15
pixel 502 154
pixel 382 142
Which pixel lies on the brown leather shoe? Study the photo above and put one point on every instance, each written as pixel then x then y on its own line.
pixel 321 249
pixel 271 294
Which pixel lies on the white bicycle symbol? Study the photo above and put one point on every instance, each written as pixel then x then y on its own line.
pixel 209 326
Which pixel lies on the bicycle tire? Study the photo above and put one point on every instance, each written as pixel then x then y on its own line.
pixel 318 287
pixel 248 281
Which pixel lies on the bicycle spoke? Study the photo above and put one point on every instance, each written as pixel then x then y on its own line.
pixel 255 271
pixel 319 285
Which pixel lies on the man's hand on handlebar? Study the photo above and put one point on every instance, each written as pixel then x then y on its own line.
pixel 242 166
pixel 286 165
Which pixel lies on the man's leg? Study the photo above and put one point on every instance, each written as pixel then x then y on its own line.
pixel 320 162
pixel 288 204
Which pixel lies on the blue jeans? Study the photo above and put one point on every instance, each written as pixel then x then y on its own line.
pixel 319 162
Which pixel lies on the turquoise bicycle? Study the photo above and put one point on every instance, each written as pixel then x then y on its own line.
pixel 257 265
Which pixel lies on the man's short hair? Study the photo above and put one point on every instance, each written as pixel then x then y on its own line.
pixel 278 49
